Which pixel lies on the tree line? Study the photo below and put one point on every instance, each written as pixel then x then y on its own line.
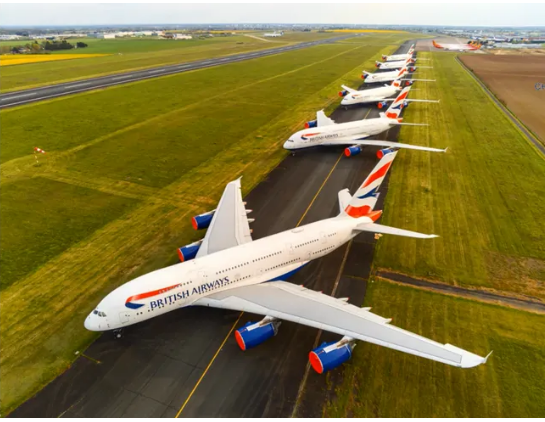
pixel 36 47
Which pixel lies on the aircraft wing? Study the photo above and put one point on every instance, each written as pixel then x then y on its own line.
pixel 388 144
pixel 289 302
pixel 229 226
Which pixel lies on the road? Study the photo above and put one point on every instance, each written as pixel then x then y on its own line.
pixel 27 96
pixel 187 362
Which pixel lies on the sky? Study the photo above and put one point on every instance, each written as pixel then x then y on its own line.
pixel 469 14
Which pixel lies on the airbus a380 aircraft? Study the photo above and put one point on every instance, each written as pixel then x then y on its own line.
pixel 375 95
pixel 230 271
pixel 329 133
pixel 395 57
pixel 457 47
pixel 395 75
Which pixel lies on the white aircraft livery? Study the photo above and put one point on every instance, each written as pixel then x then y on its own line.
pixel 457 47
pixel 229 270
pixel 375 95
pixel 329 133
pixel 396 57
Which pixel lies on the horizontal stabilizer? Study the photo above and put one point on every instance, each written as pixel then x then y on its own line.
pixel 377 228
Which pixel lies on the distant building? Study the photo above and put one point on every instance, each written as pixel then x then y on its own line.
pixel 182 37
pixel 102 35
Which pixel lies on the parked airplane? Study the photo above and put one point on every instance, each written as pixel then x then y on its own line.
pixel 371 78
pixel 458 47
pixel 329 133
pixel 230 271
pixel 396 57
pixel 375 95
pixel 395 64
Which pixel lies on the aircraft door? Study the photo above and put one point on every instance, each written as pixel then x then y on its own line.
pixel 124 317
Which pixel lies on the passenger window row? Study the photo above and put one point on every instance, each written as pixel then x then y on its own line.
pixel 307 243
pixel 232 268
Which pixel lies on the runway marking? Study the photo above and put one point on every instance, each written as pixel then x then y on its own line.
pixel 238 319
pixel 209 365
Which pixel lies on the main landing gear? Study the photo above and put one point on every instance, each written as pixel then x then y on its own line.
pixel 118 333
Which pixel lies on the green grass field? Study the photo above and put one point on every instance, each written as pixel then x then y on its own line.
pixel 379 382
pixel 485 197
pixel 126 54
pixel 136 53
pixel 167 147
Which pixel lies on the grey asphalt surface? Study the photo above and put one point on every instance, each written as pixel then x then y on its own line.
pixel 481 295
pixel 155 367
pixel 27 96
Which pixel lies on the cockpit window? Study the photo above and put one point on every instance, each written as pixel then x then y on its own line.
pixel 95 312
pixel 290 140
pixel 99 313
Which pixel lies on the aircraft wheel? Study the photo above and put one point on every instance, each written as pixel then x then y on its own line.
pixel 118 334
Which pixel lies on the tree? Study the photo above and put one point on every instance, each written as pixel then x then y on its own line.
pixel 81 44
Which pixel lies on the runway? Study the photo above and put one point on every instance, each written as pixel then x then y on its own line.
pixel 27 96
pixel 187 362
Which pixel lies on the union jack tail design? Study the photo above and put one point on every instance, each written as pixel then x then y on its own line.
pixel 365 199
pixel 395 108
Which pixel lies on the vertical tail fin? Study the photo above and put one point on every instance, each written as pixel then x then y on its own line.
pixel 365 198
pixel 395 108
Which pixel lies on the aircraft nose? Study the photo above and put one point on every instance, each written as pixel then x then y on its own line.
pixel 91 323
pixel 287 145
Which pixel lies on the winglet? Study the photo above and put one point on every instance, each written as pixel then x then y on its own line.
pixel 487 356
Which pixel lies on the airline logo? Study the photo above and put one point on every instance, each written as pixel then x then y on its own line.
pixel 129 303
pixel 309 135
pixel 377 174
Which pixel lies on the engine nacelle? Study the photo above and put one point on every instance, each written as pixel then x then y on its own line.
pixel 187 252
pixel 343 93
pixel 312 123
pixel 330 355
pixel 353 150
pixel 202 221
pixel 382 104
pixel 409 83
pixel 382 152
pixel 378 64
pixel 254 333
pixel 384 57
pixel 364 76
pixel 405 104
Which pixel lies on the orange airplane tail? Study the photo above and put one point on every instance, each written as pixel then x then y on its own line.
pixel 436 45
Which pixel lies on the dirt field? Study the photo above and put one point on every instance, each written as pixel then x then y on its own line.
pixel 513 80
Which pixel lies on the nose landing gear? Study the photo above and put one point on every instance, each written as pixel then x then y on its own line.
pixel 118 333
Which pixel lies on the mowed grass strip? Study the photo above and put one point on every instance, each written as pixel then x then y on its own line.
pixel 42 218
pixel 39 340
pixel 125 55
pixel 485 197
pixel 40 58
pixel 379 382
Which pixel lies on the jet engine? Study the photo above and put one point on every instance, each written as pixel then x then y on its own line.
pixel 382 152
pixel 312 123
pixel 378 64
pixel 409 83
pixel 364 76
pixel 384 57
pixel 382 104
pixel 330 355
pixel 353 150
pixel 405 104
pixel 255 333
pixel 202 221
pixel 187 252
pixel 412 68
pixel 343 93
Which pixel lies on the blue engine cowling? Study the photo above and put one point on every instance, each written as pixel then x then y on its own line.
pixel 187 252
pixel 382 104
pixel 405 104
pixel 255 333
pixel 312 123
pixel 353 150
pixel 202 221
pixel 343 93
pixel 364 76
pixel 382 152
pixel 330 355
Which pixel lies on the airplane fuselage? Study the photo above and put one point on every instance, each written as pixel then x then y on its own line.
pixel 271 258
pixel 338 133
pixel 397 57
pixel 394 64
pixel 382 77
pixel 369 95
